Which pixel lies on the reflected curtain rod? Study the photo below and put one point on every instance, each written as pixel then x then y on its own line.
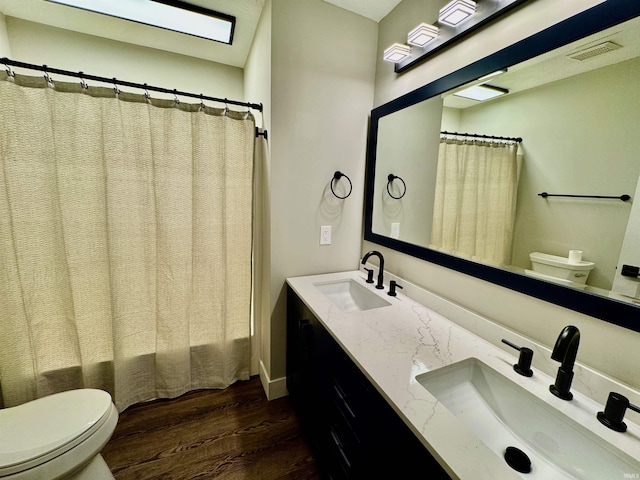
pixel 475 135
pixel 114 81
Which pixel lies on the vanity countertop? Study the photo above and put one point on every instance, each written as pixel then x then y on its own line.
pixel 393 344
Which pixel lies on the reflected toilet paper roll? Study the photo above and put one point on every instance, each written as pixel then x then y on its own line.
pixel 575 256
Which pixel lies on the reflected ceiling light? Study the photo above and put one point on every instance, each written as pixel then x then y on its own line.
pixel 456 12
pixel 493 74
pixel 396 52
pixel 173 15
pixel 481 92
pixel 422 34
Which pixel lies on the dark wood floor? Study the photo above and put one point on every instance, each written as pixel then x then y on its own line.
pixel 224 434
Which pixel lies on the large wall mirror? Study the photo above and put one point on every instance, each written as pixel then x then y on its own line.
pixel 565 120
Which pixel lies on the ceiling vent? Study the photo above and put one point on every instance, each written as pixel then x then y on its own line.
pixel 599 49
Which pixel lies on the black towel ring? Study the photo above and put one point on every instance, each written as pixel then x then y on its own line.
pixel 390 179
pixel 337 176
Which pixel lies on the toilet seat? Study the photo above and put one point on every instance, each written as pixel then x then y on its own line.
pixel 42 430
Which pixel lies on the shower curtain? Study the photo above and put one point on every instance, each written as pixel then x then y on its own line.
pixel 475 200
pixel 125 243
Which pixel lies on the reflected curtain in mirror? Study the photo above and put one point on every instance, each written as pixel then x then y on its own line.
pixel 125 243
pixel 475 200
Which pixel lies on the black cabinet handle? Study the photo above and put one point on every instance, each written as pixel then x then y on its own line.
pixel 338 444
pixel 343 399
pixel 305 332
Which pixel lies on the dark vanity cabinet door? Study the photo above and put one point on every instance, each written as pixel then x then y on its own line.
pixel 353 431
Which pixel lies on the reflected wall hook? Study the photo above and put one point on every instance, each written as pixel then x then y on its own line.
pixel 390 179
pixel 337 176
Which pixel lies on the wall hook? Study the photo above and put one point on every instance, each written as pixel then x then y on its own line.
pixel 390 179
pixel 337 176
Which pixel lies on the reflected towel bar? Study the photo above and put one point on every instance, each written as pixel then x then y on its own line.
pixel 624 197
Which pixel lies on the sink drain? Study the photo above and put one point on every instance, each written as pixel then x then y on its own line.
pixel 517 459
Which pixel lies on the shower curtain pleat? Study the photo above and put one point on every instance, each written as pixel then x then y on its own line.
pixel 125 243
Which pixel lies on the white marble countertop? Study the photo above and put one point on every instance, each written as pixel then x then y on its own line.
pixel 393 344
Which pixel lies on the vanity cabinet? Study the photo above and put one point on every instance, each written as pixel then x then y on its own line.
pixel 354 433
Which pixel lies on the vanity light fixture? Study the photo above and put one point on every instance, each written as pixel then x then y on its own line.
pixel 456 12
pixel 481 93
pixel 396 52
pixel 174 15
pixel 422 34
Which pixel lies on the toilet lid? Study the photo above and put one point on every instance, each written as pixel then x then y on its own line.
pixel 42 429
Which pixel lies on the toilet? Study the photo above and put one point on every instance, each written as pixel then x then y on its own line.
pixel 57 437
pixel 561 269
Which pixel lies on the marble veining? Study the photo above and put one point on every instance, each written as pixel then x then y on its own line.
pixel 393 344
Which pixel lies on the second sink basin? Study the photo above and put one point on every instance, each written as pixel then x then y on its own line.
pixel 503 414
pixel 350 296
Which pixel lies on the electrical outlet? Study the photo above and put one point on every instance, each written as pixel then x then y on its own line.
pixel 395 230
pixel 325 235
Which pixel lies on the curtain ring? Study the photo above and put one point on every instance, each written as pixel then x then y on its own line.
pixel 47 77
pixel 9 72
pixel 226 107
pixel 390 179
pixel 337 176
pixel 116 90
pixel 146 93
pixel 83 84
pixel 176 100
pixel 202 105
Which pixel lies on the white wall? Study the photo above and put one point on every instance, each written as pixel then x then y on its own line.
pixel 5 50
pixel 257 81
pixel 323 65
pixel 415 132
pixel 40 44
pixel 608 348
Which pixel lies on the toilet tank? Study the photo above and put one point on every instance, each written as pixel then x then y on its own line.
pixel 560 267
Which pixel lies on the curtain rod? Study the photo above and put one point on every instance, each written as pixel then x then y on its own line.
pixel 475 135
pixel 114 81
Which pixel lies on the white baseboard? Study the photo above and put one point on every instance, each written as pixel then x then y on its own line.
pixel 273 388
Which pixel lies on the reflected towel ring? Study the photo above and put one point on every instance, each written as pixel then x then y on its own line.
pixel 337 176
pixel 390 179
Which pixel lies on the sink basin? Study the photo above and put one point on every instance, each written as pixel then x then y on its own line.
pixel 502 414
pixel 349 296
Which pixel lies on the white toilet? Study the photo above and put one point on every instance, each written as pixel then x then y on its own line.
pixel 560 269
pixel 58 436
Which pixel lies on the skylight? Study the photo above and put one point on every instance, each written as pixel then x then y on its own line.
pixel 173 15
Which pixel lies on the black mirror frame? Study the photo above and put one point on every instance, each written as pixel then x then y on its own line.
pixel 593 20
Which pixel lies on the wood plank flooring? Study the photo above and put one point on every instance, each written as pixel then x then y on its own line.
pixel 224 434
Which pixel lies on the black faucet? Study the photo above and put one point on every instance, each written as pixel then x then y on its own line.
pixel 565 351
pixel 379 285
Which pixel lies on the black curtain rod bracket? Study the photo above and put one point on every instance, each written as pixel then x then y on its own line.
pixel 624 197
pixel 115 82
pixel 476 135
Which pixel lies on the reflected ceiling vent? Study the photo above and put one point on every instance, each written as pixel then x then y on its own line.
pixel 599 49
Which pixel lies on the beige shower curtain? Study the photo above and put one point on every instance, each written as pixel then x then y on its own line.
pixel 475 200
pixel 125 243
